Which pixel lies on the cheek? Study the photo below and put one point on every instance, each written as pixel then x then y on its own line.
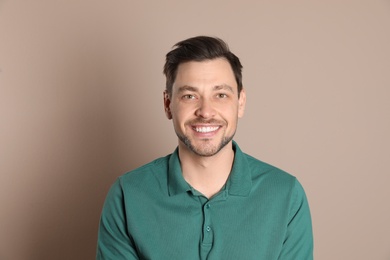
pixel 179 117
pixel 182 112
pixel 232 112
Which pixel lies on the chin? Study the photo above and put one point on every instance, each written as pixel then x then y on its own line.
pixel 206 147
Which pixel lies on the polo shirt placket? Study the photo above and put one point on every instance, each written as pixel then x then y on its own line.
pixel 206 244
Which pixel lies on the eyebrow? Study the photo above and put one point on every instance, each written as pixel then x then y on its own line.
pixel 223 86
pixel 187 88
pixel 215 88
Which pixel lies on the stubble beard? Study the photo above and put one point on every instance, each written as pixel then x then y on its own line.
pixel 206 149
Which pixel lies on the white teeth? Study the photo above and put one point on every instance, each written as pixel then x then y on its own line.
pixel 206 129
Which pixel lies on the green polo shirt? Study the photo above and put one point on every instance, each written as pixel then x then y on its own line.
pixel 153 213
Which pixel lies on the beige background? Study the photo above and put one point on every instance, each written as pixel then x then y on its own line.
pixel 81 103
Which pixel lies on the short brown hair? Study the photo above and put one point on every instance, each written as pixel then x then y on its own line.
pixel 200 48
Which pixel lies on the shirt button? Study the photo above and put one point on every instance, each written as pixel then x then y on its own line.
pixel 208 206
pixel 208 228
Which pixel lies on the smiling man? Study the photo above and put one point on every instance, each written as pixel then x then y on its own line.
pixel 208 199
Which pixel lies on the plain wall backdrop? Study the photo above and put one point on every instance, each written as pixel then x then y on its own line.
pixel 81 103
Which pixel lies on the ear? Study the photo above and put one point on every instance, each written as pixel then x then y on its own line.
pixel 241 103
pixel 167 104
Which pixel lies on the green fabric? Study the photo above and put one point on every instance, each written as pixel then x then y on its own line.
pixel 153 213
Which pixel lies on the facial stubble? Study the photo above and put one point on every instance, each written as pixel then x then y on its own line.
pixel 207 148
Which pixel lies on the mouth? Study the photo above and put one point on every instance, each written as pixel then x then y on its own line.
pixel 205 129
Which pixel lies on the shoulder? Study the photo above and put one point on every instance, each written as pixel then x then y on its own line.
pixel 269 176
pixel 147 174
pixel 277 185
pixel 259 167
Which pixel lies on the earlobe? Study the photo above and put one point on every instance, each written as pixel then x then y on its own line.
pixel 241 103
pixel 167 103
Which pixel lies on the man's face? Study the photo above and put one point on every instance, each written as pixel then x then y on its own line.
pixel 204 106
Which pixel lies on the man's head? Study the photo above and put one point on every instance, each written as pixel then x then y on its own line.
pixel 200 48
pixel 204 95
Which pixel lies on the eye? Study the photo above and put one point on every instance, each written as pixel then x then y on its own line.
pixel 222 95
pixel 188 96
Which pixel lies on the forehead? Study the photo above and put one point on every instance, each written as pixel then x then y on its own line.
pixel 203 73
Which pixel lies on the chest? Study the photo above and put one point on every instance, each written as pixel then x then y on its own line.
pixel 224 227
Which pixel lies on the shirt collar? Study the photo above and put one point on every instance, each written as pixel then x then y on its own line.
pixel 240 179
pixel 176 182
pixel 238 184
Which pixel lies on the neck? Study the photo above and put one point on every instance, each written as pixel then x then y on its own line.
pixel 206 174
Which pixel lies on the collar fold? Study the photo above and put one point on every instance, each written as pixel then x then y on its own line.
pixel 239 182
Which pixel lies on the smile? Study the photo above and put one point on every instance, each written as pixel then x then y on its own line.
pixel 206 129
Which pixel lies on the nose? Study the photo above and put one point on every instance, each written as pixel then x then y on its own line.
pixel 205 109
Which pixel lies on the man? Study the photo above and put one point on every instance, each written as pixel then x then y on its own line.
pixel 208 199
